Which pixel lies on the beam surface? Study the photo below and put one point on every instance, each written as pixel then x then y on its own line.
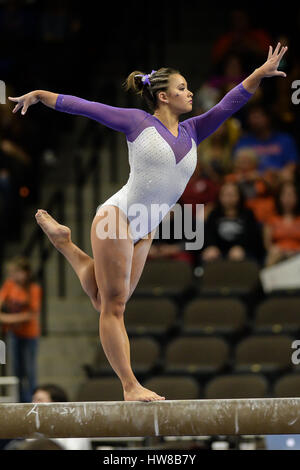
pixel 158 418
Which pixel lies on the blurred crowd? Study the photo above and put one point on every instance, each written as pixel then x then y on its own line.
pixel 248 171
pixel 46 32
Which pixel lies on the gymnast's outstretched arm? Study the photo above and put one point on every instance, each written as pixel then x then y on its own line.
pixel 205 124
pixel 120 119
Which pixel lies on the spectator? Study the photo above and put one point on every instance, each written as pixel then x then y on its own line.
pixel 231 230
pixel 243 39
pixel 200 190
pixel 48 393
pixel 277 151
pixel 282 230
pixel 283 108
pixel 20 303
pixel 215 152
pixel 231 74
pixel 256 191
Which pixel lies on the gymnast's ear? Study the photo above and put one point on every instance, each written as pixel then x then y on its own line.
pixel 162 97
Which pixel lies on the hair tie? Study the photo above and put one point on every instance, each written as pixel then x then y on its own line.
pixel 145 77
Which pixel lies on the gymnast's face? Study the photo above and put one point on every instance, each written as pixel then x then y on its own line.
pixel 178 97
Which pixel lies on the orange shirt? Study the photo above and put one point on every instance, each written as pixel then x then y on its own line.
pixel 263 207
pixel 17 299
pixel 285 234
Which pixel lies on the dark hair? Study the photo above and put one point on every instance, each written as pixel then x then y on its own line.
pixel 22 263
pixel 56 393
pixel 159 81
pixel 241 202
pixel 278 205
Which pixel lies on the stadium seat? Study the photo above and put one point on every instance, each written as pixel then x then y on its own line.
pixel 287 386
pixel 196 355
pixel 165 277
pixel 101 389
pixel 264 354
pixel 278 315
pixel 144 355
pixel 225 277
pixel 174 388
pixel 214 316
pixel 237 386
pixel 154 316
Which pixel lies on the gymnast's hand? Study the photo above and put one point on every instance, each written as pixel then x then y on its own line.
pixel 25 101
pixel 269 68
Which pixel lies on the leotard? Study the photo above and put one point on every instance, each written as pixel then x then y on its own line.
pixel 161 164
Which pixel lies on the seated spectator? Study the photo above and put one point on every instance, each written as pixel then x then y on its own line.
pixel 215 152
pixel 256 190
pixel 282 230
pixel 200 190
pixel 20 305
pixel 231 230
pixel 283 107
pixel 277 151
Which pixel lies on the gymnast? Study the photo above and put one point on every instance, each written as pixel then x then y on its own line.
pixel 162 158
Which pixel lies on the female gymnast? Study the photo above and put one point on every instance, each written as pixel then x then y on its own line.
pixel 162 157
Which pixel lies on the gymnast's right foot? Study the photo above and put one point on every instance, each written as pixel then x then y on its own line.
pixel 58 234
pixel 140 393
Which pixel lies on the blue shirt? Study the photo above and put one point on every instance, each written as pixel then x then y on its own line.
pixel 275 152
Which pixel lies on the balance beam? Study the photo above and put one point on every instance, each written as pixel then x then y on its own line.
pixel 158 418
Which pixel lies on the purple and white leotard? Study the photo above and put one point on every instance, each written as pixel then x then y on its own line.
pixel 160 163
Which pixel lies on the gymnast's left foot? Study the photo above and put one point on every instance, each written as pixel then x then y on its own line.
pixel 140 393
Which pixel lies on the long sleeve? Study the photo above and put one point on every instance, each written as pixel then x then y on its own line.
pixel 205 124
pixel 120 119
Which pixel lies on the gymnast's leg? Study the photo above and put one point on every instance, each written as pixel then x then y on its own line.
pixel 83 264
pixel 113 259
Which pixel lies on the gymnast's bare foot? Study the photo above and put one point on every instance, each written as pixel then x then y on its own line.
pixel 140 393
pixel 58 234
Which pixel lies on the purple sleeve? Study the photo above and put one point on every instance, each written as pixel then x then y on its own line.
pixel 205 124
pixel 120 119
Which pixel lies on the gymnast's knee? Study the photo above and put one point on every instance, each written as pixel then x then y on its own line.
pixel 114 305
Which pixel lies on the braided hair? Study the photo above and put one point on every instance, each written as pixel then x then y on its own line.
pixel 148 89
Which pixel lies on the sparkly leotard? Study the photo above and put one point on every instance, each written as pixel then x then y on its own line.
pixel 160 163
